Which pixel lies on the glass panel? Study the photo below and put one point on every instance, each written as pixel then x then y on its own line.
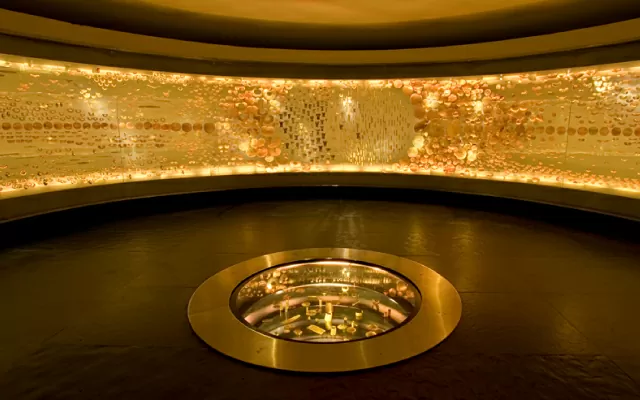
pixel 51 141
pixel 604 141
pixel 325 301
pixel 66 125
pixel 166 139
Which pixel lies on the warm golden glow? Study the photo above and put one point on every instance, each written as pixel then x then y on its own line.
pixel 67 125
pixel 325 301
pixel 342 11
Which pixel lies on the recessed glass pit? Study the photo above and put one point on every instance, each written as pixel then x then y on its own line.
pixel 325 301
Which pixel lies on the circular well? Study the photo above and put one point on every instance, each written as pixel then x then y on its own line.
pixel 324 310
pixel 325 301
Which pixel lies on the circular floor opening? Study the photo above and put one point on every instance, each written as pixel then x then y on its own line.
pixel 324 310
pixel 325 301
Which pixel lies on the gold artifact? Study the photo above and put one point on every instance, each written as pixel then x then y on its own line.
pixel 316 329
pixel 436 304
pixel 329 307
pixel 290 320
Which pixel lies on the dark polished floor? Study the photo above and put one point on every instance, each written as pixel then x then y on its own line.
pixel 549 304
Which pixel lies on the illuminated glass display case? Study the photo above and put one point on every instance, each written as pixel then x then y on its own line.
pixel 324 301
pixel 68 125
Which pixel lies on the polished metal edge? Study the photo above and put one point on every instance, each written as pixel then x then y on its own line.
pixel 43 202
pixel 214 322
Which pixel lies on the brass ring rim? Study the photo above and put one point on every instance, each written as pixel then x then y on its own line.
pixel 212 319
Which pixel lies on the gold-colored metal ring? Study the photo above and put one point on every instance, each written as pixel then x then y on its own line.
pixel 212 319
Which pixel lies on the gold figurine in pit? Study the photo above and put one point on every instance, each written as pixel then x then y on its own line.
pixel 329 307
pixel 328 319
pixel 344 324
pixel 352 329
pixel 306 305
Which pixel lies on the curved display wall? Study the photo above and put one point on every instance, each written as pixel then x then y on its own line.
pixel 67 125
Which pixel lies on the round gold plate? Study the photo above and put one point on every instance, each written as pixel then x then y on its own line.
pixel 212 319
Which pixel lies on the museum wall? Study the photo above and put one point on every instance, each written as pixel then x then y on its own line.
pixel 65 126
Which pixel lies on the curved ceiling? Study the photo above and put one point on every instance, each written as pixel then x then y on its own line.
pixel 341 12
pixel 335 24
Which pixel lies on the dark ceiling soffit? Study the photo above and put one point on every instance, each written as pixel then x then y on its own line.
pixel 164 22
pixel 48 50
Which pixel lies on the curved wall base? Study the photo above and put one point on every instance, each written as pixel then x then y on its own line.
pixel 36 204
